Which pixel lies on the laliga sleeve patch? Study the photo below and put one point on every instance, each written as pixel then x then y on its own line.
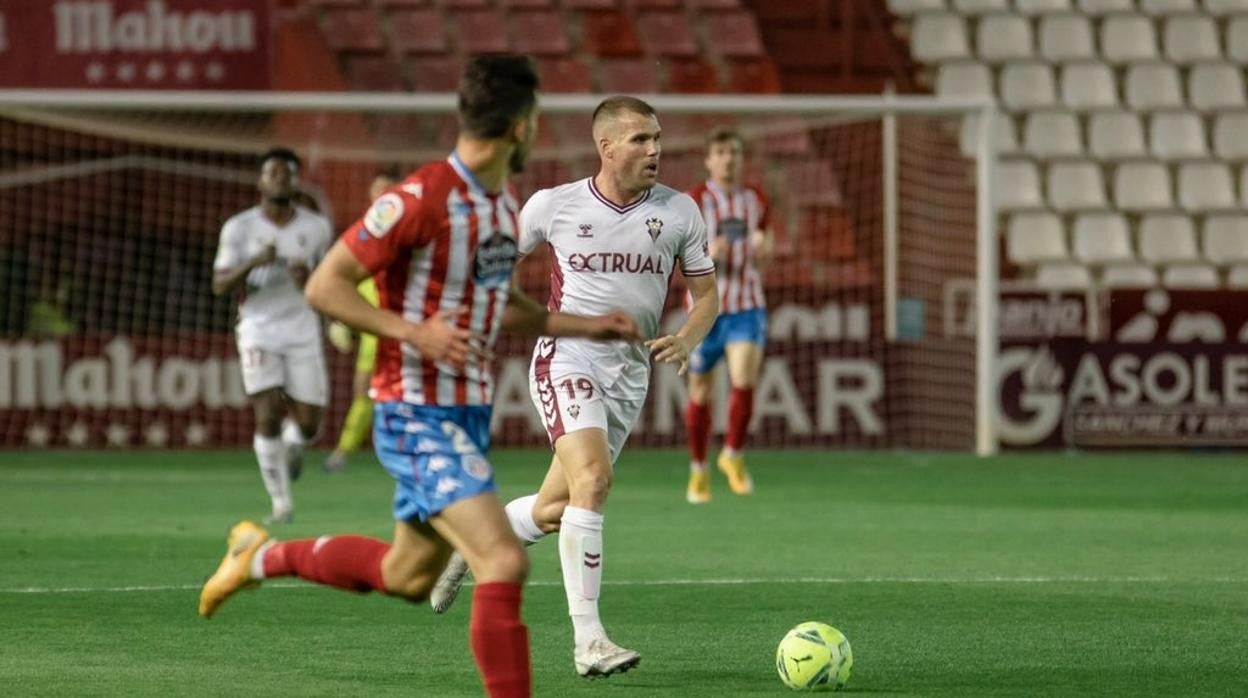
pixel 383 214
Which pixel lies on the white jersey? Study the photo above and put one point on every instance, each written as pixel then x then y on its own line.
pixel 273 313
pixel 609 257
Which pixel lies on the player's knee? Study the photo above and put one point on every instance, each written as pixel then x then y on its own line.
pixel 269 425
pixel 548 515
pixel 507 563
pixel 592 482
pixel 414 587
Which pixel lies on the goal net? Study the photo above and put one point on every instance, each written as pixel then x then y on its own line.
pixel 111 205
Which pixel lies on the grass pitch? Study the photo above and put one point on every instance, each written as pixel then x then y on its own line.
pixel 1021 575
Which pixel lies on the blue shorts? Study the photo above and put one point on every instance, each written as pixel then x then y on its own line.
pixel 435 454
pixel 745 326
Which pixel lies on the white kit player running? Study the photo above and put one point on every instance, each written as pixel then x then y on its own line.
pixel 617 237
pixel 268 252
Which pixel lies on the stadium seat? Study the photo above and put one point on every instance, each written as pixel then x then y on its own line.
pixel 590 4
pixel 1177 136
pixel 1167 7
pixel 1052 134
pixel 1237 39
pixel 1006 138
pixel 1237 277
pixel 1088 86
pixel 1066 38
pixel 713 5
pixel 1205 186
pixel 1224 238
pixel 1167 237
pixel 786 137
pixel 905 8
pixel 1128 39
pixel 733 34
pixel 1142 186
pixel 1018 185
pixel 539 32
pixel 1102 238
pixel 1076 186
pixel 645 5
pixel 964 79
pixel 373 73
pixel 980 7
pixel 1061 277
pixel 1191 38
pixel 1214 86
pixel 352 30
pixel 564 75
pixel 937 37
pixel 1230 135
pixel 1129 276
pixel 691 76
pixel 1243 184
pixel 1153 86
pixel 337 3
pixel 1039 7
pixel 434 73
pixel 1027 86
pixel 754 76
pixel 1226 7
pixel 1103 7
pixel 525 4
pixel 1115 135
pixel 666 34
pixel 418 31
pixel 482 31
pixel 812 182
pixel 458 5
pixel 628 76
pixel 1196 276
pixel 609 34
pixel 1003 37
pixel 1035 237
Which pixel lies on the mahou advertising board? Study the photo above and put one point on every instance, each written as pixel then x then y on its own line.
pixel 136 44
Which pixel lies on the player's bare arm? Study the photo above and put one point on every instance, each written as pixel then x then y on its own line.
pixel 762 248
pixel 526 316
pixel 332 290
pixel 228 280
pixel 675 348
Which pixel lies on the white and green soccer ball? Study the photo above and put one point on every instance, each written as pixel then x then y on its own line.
pixel 814 657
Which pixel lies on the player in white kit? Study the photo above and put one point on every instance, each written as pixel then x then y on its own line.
pixel 267 253
pixel 617 237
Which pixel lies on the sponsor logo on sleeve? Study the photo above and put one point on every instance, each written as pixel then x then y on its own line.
pixel 383 214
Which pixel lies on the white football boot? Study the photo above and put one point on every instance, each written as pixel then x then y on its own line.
pixel 604 658
pixel 447 587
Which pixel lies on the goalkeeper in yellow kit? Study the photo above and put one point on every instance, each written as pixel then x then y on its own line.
pixel 359 421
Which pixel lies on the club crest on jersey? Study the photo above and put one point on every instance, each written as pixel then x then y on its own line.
pixel 383 214
pixel 585 231
pixel 494 260
pixel 574 410
pixel 654 226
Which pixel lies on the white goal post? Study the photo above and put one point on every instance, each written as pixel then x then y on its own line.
pixel 757 111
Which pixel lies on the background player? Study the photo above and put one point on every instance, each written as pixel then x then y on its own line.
pixel 736 216
pixel 442 247
pixel 616 239
pixel 268 251
pixel 359 419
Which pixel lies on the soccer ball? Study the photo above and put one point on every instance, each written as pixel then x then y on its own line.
pixel 814 657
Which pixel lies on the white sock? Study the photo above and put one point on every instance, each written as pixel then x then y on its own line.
pixel 292 435
pixel 257 560
pixel 271 454
pixel 520 513
pixel 580 552
pixel 697 466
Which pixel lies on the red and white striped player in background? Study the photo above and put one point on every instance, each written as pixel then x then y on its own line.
pixel 741 243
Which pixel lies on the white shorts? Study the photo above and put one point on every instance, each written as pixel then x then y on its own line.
pixel 569 397
pixel 298 370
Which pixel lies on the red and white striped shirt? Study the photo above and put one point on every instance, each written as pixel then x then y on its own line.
pixel 735 215
pixel 436 242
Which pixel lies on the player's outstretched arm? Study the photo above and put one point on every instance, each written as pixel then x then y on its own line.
pixel 702 314
pixel 525 316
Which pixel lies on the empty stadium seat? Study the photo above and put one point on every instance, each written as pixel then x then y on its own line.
pixel 1167 237
pixel 1237 277
pixel 713 5
pixel 906 8
pixel 1224 238
pixel 937 37
pixel 1088 86
pixel 482 31
pixel 1153 86
pixel 1166 7
pixel 1066 38
pixel 733 34
pixel 691 76
pixel 628 76
pixel 373 73
pixel 1142 186
pixel 433 73
pixel 1101 7
pixel 609 33
pixel 1177 135
pixel 1076 186
pixel 964 79
pixel 1191 38
pixel 1026 86
pixel 1115 135
pixel 525 4
pixel 352 30
pixel 1196 276
pixel 1037 7
pixel 1205 186
pixel 464 4
pixel 666 34
pixel 1128 39
pixel 1129 276
pixel 980 7
pixel 1226 7
pixel 1035 237
pixel 754 76
pixel 1004 135
pixel 1050 134
pixel 1230 135
pixel 539 32
pixel 418 31
pixel 1102 238
pixel 564 75
pixel 1060 277
pixel 1018 185
pixel 1216 86
pixel 1003 37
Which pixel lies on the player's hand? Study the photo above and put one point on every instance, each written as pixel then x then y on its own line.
pixel 760 249
pixel 616 324
pixel 672 349
pixel 266 256
pixel 438 339
pixel 299 273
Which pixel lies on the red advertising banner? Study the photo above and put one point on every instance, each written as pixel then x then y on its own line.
pixel 139 44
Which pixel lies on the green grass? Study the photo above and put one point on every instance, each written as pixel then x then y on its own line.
pixel 1021 575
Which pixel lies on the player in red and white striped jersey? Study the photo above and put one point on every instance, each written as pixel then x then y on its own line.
pixel 741 244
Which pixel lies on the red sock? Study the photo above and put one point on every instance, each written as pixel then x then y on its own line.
pixel 346 562
pixel 500 642
pixel 698 425
pixel 740 408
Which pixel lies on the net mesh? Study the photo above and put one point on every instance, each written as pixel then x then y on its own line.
pixel 109 221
